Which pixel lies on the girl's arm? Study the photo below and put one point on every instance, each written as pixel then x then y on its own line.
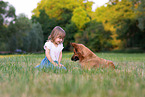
pixel 47 51
pixel 60 57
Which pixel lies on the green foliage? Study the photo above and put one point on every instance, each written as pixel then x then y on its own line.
pixel 71 15
pixel 36 38
pixel 131 34
pixel 70 29
pixel 7 14
pixel 139 9
pixel 25 35
pixel 18 32
pixel 54 8
pixel 119 25
pixel 46 23
pixel 95 37
pixel 21 27
pixel 119 14
pixel 49 21
pixel 127 28
pixel 80 17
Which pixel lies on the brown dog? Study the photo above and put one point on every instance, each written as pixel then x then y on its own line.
pixel 88 59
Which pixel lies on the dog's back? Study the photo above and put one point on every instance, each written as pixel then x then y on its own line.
pixel 97 63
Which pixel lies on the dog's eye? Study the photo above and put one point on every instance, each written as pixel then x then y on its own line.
pixel 76 50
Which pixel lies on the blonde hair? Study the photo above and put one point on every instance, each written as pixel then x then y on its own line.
pixel 57 31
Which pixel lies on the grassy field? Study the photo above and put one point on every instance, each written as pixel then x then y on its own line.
pixel 19 78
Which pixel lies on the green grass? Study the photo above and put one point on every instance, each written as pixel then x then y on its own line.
pixel 18 78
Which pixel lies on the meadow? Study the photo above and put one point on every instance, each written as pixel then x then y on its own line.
pixel 19 78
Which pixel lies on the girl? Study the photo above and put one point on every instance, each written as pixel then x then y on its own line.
pixel 53 49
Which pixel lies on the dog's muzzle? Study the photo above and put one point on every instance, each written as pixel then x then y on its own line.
pixel 75 58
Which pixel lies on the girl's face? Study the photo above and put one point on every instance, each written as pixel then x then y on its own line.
pixel 58 40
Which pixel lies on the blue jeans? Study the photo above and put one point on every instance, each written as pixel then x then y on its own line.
pixel 45 63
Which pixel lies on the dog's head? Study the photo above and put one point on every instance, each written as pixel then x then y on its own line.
pixel 80 52
pixel 77 53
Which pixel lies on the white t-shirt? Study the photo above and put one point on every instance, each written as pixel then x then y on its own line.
pixel 54 51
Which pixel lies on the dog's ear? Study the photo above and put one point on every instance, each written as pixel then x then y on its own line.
pixel 74 44
pixel 78 48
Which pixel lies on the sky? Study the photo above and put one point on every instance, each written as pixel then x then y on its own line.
pixel 26 6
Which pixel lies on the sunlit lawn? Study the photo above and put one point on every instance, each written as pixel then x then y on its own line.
pixel 19 78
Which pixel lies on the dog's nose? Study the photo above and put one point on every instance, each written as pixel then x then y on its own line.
pixel 75 58
pixel 72 58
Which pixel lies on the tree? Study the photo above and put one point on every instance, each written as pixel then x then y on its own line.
pixel 20 29
pixel 70 30
pixel 7 15
pixel 80 17
pixel 26 36
pixel 96 37
pixel 36 38
pixel 50 13
pixel 46 23
pixel 115 18
pixel 127 28
pixel 54 8
pixel 139 9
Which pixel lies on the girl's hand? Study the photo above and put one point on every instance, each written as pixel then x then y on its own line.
pixel 55 64
pixel 60 65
